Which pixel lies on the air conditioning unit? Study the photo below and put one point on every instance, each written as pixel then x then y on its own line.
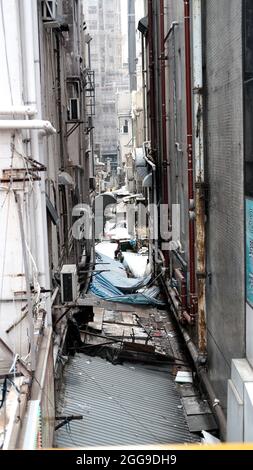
pixel 74 109
pixel 49 10
pixel 69 283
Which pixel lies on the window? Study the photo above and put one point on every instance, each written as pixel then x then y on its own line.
pixel 92 10
pixel 93 24
pixel 125 127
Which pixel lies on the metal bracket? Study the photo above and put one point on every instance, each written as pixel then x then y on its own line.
pixel 73 128
pixel 66 420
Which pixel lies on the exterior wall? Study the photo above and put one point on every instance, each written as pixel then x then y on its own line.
pixel 176 116
pixel 38 61
pixel 123 107
pixel 224 155
pixel 225 227
pixel 224 173
pixel 63 78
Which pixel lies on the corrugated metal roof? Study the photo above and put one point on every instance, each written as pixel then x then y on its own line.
pixel 122 405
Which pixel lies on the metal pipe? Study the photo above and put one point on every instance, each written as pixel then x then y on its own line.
pixel 144 89
pixel 180 259
pixel 189 154
pixel 199 363
pixel 157 145
pixel 214 402
pixel 155 215
pixel 20 365
pixel 37 69
pixel 199 171
pixel 34 203
pixel 59 101
pixel 164 118
pixel 184 294
pixel 18 110
pixel 186 317
pixel 172 27
pixel 151 75
pixel 180 277
pixel 8 124
pixel 28 287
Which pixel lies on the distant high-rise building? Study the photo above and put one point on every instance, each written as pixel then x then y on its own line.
pixel 103 20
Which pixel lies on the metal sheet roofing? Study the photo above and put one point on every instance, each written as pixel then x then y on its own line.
pixel 122 405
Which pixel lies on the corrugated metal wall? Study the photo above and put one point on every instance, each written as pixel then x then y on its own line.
pixel 225 229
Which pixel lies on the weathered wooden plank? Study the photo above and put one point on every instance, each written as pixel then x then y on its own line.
pixel 93 301
pixel 121 318
pixel 97 323
pixel 117 331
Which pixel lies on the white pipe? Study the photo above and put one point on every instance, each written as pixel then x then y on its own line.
pixel 155 214
pixel 29 28
pixel 27 124
pixel 37 67
pixel 198 86
pixel 18 110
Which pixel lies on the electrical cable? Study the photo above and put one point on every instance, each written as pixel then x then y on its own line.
pixel 6 54
pixel 4 393
pixel 4 256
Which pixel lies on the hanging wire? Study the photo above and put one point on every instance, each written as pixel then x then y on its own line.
pixel 25 161
pixel 4 254
pixel 4 393
pixel 6 53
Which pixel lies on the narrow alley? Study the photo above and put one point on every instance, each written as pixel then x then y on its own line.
pixel 130 381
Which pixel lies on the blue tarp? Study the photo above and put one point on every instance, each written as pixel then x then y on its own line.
pixel 110 282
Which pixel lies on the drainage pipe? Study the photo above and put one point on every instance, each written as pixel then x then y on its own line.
pixel 164 118
pixel 42 153
pixel 155 209
pixel 172 27
pixel 27 124
pixel 18 110
pixel 32 73
pixel 190 157
pixel 144 89
pixel 151 75
pixel 199 363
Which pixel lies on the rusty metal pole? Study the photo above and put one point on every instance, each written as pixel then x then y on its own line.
pixel 151 76
pixel 199 172
pixel 164 118
pixel 153 96
pixel 190 158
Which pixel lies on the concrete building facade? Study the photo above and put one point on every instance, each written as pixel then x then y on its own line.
pixel 45 142
pixel 198 66
pixel 103 20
